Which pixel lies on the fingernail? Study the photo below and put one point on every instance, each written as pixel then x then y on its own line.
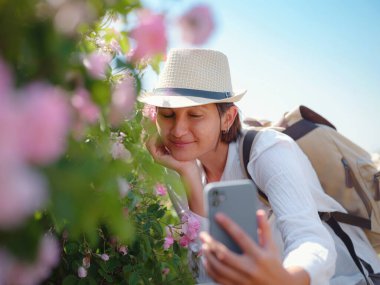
pixel 219 217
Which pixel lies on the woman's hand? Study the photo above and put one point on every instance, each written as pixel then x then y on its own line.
pixel 161 155
pixel 259 264
pixel 188 170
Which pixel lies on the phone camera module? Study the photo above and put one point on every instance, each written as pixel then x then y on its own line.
pixel 217 198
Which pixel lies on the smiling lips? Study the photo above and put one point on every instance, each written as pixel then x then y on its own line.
pixel 180 144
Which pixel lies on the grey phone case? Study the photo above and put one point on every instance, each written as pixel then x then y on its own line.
pixel 238 200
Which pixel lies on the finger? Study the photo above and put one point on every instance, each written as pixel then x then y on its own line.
pixel 264 230
pixel 150 142
pixel 155 147
pixel 246 244
pixel 220 272
pixel 224 255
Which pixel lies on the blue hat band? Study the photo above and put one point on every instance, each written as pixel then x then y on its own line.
pixel 192 92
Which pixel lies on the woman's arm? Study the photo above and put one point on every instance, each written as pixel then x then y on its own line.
pixel 188 170
pixel 259 264
pixel 283 172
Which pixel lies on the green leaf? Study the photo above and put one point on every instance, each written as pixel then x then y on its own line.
pixel 71 248
pixel 133 278
pixel 152 209
pixel 70 280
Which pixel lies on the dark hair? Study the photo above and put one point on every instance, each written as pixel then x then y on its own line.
pixel 234 129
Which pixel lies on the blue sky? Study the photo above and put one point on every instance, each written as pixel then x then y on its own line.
pixel 323 54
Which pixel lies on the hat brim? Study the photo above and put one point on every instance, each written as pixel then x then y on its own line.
pixel 180 101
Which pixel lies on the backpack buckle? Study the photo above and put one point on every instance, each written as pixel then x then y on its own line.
pixel 325 216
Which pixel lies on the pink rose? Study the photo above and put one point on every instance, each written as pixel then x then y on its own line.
pixel 150 35
pixel 11 128
pixel 105 257
pixel 115 46
pixel 118 151
pixel 150 112
pixel 191 226
pixel 197 25
pixel 25 273
pixel 160 189
pixel 46 118
pixel 123 101
pixel 96 63
pixel 49 251
pixel 184 241
pixel 123 250
pixel 82 272
pixel 87 110
pixel 169 240
pixel 165 271
pixel 124 186
pixel 22 192
pixel 86 262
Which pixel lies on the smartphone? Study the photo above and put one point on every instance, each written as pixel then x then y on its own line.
pixel 238 200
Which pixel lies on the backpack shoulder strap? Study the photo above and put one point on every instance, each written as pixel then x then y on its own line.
pixel 245 148
pixel 246 142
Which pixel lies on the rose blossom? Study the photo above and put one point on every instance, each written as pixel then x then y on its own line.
pixel 123 250
pixel 22 192
pixel 105 257
pixel 197 25
pixel 150 111
pixel 160 189
pixel 150 35
pixel 119 151
pixel 165 271
pixel 25 273
pixel 124 186
pixel 96 64
pixel 123 101
pixel 46 118
pixel 169 240
pixel 87 110
pixel 82 272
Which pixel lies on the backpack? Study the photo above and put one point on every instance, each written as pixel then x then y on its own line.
pixel 346 172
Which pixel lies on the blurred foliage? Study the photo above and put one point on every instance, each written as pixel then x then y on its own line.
pixel 85 209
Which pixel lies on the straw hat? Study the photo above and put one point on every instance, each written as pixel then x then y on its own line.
pixel 193 77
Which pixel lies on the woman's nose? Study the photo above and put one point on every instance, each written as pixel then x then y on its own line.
pixel 180 128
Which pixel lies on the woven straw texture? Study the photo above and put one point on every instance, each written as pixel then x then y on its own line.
pixel 196 69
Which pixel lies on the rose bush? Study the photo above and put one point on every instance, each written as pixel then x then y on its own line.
pixel 81 200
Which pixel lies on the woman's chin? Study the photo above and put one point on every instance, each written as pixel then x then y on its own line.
pixel 183 156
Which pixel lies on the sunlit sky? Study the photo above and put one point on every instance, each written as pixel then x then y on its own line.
pixel 324 54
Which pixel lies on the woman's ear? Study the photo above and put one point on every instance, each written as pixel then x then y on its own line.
pixel 229 117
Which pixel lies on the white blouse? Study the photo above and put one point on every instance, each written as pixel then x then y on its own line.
pixel 282 171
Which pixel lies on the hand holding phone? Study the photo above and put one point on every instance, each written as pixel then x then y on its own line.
pixel 238 200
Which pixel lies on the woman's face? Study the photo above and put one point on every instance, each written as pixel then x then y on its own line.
pixel 189 132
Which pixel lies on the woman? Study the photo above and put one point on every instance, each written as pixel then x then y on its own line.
pixel 198 136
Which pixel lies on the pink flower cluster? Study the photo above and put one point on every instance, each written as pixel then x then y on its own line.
pixel 150 112
pixel 188 232
pixel 14 271
pixel 87 112
pixel 86 261
pixel 150 35
pixel 197 25
pixel 34 122
pixel 97 63
pixel 160 189
pixel 123 101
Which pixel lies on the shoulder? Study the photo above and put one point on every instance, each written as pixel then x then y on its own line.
pixel 270 139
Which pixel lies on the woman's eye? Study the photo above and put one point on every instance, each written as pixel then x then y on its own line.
pixel 195 115
pixel 167 115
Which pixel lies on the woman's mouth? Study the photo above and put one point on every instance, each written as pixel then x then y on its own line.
pixel 180 144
